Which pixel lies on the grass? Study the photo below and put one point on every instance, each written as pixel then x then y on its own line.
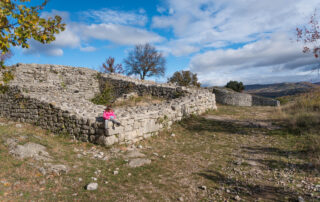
pixel 227 157
pixel 139 101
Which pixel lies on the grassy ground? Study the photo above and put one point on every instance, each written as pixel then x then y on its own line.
pixel 207 159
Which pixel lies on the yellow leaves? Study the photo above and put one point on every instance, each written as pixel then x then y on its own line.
pixel 19 23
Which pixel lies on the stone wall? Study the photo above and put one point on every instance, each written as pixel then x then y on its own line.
pixel 58 98
pixel 229 97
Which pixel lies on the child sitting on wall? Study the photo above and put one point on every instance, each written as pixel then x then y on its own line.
pixel 108 115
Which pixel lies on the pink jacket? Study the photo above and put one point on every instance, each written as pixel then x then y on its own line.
pixel 106 115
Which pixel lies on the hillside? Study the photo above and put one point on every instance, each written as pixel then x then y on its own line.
pixel 280 89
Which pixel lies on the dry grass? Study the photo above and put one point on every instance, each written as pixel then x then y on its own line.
pixel 202 152
pixel 302 115
pixel 144 100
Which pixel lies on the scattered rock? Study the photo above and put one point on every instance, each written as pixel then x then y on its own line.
pixel 135 154
pixel 57 169
pixel 140 147
pixel 300 199
pixel 80 179
pixel 18 125
pixel 237 198
pixel 31 150
pixel 92 186
pixel 180 199
pixel 139 162
pixel 42 170
pixel 173 135
pixel 106 182
pixel 203 187
pixel 94 178
pixel 10 142
pixel 115 172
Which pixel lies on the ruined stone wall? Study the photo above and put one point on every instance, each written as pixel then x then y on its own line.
pixel 228 97
pixel 58 98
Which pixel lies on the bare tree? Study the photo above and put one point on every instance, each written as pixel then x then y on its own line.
pixel 110 67
pixel 145 61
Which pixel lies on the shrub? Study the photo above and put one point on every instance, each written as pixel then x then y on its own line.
pixel 106 97
pixel 235 85
pixel 184 78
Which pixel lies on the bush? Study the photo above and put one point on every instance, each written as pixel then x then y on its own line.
pixel 184 78
pixel 235 85
pixel 106 97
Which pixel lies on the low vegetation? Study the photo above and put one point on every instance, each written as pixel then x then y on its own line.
pixel 234 153
pixel 235 85
pixel 184 78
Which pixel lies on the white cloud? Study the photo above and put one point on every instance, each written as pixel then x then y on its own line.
pixel 106 15
pixel 261 62
pixel 76 33
pixel 88 49
pixel 207 22
pixel 120 34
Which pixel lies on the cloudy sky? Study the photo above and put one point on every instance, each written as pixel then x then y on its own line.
pixel 246 40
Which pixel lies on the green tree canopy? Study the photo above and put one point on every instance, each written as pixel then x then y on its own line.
pixel 184 78
pixel 235 85
pixel 20 22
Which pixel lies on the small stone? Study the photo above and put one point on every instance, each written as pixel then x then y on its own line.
pixel 156 154
pixel 94 178
pixel 129 174
pixel 300 199
pixel 173 135
pixel 237 198
pixel 106 182
pixel 80 179
pixel 79 155
pixel 180 199
pixel 42 171
pixel 228 190
pixel 140 147
pixel 139 162
pixel 92 186
pixel 203 187
pixel 75 194
pixel 18 125
pixel 42 182
pixel 115 172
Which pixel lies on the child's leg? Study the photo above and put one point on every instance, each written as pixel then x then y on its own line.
pixel 115 122
pixel 106 124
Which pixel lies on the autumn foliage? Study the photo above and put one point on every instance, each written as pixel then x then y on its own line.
pixel 20 22
pixel 310 35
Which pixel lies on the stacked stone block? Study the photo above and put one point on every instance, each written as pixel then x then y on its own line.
pixel 57 98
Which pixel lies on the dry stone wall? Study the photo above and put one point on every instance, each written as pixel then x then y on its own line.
pixel 228 97
pixel 57 98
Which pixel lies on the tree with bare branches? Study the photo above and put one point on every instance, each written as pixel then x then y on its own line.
pixel 110 67
pixel 145 61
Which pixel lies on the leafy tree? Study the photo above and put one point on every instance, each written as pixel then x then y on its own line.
pixel 235 85
pixel 184 78
pixel 110 67
pixel 145 61
pixel 19 22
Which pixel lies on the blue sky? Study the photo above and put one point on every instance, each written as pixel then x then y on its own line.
pixel 220 40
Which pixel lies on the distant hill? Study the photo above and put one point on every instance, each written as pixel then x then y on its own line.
pixel 280 89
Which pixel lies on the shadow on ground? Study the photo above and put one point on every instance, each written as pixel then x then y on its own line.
pixel 249 191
